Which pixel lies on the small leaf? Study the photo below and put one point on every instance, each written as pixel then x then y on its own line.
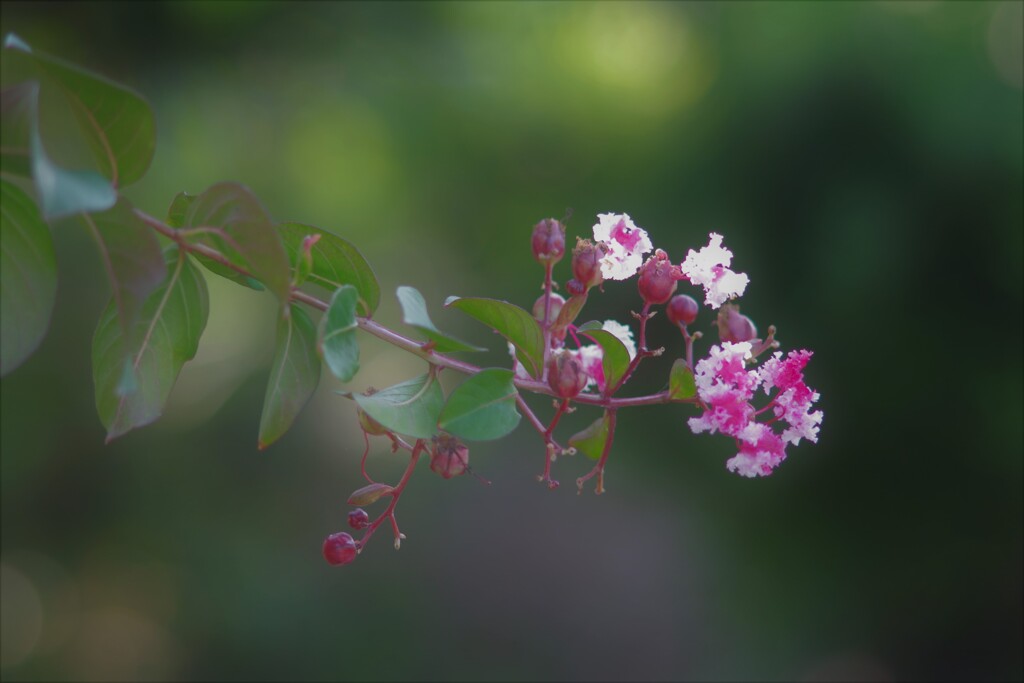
pixel 681 384
pixel 293 374
pixel 336 262
pixel 229 218
pixel 369 494
pixel 336 341
pixel 591 441
pixel 134 264
pixel 28 277
pixel 570 309
pixel 616 358
pixel 414 312
pixel 117 123
pixel 483 407
pixel 511 322
pixel 164 336
pixel 411 407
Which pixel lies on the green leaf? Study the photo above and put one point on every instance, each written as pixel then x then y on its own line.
pixel 163 337
pixel 570 309
pixel 616 357
pixel 591 441
pixel 511 322
pixel 16 112
pixel 28 277
pixel 61 191
pixel 681 384
pixel 176 217
pixel 117 122
pixel 337 342
pixel 134 265
pixel 414 312
pixel 229 218
pixel 483 407
pixel 411 407
pixel 336 262
pixel 293 374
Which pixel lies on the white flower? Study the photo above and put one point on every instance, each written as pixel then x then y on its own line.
pixel 709 269
pixel 626 244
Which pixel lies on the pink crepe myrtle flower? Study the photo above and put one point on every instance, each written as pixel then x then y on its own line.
pixel 626 245
pixel 727 389
pixel 709 268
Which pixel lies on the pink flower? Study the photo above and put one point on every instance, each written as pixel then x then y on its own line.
pixel 626 245
pixel 709 269
pixel 727 390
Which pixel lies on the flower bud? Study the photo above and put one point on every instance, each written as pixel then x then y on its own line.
pixel 656 283
pixel 566 375
pixel 734 327
pixel 574 287
pixel 682 309
pixel 586 263
pixel 340 548
pixel 556 306
pixel 449 457
pixel 548 241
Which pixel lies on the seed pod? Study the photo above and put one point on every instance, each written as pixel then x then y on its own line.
pixel 449 457
pixel 548 241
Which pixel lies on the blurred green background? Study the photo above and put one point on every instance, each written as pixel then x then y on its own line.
pixel 863 160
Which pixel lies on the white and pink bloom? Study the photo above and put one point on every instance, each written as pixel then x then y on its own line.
pixel 709 268
pixel 626 245
pixel 727 389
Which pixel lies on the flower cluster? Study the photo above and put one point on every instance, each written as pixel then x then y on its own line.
pixel 727 389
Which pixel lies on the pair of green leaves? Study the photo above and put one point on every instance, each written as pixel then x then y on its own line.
pixel 482 408
pixel 118 129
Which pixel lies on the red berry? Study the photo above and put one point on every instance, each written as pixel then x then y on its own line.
pixel 339 548
pixel 657 281
pixel 682 309
pixel 548 241
pixel 358 519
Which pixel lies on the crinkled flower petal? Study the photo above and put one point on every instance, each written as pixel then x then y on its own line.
pixel 626 245
pixel 709 268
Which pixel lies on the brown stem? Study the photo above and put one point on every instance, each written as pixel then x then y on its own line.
pixel 599 467
pixel 389 514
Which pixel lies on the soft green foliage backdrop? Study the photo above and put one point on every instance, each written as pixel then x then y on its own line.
pixel 864 161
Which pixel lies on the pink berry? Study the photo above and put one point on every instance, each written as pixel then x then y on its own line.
pixel 586 263
pixel 566 375
pixel 733 326
pixel 657 281
pixel 548 241
pixel 556 305
pixel 358 519
pixel 339 548
pixel 682 309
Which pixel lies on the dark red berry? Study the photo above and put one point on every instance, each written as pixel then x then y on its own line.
pixel 358 519
pixel 682 309
pixel 657 281
pixel 575 287
pixel 339 548
pixel 548 241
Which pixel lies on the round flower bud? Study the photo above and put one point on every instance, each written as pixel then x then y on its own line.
pixel 656 283
pixel 548 241
pixel 682 309
pixel 358 519
pixel 734 327
pixel 566 375
pixel 586 263
pixel 574 287
pixel 449 457
pixel 556 306
pixel 339 548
